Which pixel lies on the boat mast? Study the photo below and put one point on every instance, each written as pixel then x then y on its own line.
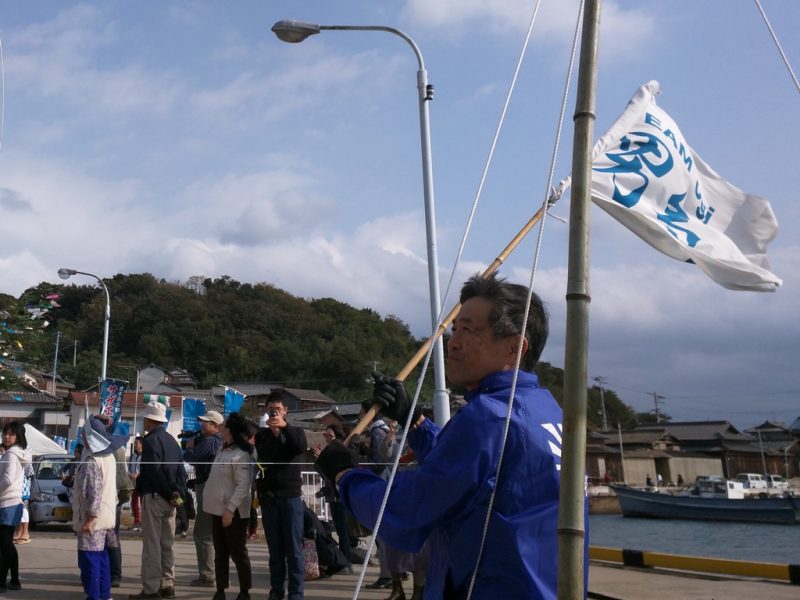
pixel 571 526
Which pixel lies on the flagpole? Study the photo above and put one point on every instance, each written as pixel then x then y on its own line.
pixel 571 526
pixel 420 354
pixel 135 404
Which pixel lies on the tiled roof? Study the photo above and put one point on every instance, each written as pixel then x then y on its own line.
pixel 30 398
pixel 312 395
pixel 131 398
pixel 686 431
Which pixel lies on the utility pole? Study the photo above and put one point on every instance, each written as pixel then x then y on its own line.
pixel 656 398
pixel 55 362
pixel 74 352
pixel 601 381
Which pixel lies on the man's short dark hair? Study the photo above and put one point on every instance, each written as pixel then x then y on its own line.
pixel 508 309
pixel 280 396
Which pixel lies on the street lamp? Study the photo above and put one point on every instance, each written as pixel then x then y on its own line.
pixel 66 274
pixel 294 32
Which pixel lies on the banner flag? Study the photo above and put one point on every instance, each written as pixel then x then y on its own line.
pixel 111 392
pixel 233 401
pixel 192 408
pixel 647 176
pixel 148 398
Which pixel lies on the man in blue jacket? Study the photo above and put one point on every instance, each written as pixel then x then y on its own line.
pixel 447 497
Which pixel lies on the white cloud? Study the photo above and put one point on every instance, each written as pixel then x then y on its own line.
pixel 58 58
pixel 621 28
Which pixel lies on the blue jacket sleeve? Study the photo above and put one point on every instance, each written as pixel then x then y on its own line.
pixel 454 476
pixel 423 439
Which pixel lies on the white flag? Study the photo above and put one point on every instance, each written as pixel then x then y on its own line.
pixel 646 176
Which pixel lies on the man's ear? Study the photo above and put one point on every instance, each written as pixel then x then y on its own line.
pixel 514 346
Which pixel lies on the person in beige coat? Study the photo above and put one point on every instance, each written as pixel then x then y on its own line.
pixel 94 508
pixel 226 497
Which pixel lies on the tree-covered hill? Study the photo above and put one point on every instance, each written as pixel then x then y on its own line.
pixel 221 330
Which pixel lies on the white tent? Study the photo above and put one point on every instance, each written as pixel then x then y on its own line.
pixel 39 443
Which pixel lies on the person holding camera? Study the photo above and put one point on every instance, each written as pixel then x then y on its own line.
pixel 281 446
pixel 201 451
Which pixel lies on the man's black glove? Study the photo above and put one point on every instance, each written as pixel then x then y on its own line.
pixel 391 395
pixel 335 458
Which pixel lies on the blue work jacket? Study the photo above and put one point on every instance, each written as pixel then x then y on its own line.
pixel 446 498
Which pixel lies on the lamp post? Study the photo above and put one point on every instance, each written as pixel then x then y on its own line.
pixel 294 32
pixel 601 382
pixel 66 274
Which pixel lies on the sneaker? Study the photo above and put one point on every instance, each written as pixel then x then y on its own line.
pixel 167 592
pixel 243 596
pixel 219 595
pixel 274 595
pixel 144 596
pixel 381 583
pixel 115 581
pixel 202 582
pixel 135 527
pixel 15 585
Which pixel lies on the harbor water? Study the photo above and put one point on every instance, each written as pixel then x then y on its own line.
pixel 740 541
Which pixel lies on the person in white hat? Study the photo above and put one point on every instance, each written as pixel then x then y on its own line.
pixel 157 485
pixel 200 453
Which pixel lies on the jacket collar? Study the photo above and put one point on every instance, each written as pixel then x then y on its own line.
pixel 501 380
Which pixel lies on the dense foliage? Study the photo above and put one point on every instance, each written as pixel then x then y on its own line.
pixel 224 331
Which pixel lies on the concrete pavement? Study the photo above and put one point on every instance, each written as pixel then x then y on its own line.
pixel 48 568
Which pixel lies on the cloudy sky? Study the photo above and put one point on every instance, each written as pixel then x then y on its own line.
pixel 183 138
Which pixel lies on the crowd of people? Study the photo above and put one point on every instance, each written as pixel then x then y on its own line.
pixel 435 522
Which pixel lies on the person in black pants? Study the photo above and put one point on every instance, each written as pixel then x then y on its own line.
pixel 281 503
pixel 12 465
pixel 338 511
pixel 227 499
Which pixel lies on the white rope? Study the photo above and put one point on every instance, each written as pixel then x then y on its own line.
pixel 549 193
pixel 489 157
pixel 392 472
pixel 550 197
pixel 778 44
pixel 424 367
pixel 2 94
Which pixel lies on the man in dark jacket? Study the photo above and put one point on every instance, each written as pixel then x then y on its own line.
pixel 157 485
pixel 200 453
pixel 281 502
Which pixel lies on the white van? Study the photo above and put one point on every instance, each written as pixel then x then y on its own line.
pixel 752 481
pixel 777 482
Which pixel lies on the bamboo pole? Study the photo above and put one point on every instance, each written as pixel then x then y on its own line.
pixel 572 498
pixel 423 350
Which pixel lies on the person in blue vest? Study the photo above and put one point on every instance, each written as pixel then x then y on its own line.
pixel 447 498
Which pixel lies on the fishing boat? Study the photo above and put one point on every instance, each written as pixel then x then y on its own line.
pixel 725 503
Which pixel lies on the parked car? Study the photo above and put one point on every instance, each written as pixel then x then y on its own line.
pixel 752 481
pixel 50 499
pixel 777 482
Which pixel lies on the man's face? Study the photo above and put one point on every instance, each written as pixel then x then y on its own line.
pixel 137 446
pixel 209 428
pixel 472 351
pixel 272 407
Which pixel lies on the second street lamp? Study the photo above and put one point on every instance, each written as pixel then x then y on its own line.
pixel 66 274
pixel 296 31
